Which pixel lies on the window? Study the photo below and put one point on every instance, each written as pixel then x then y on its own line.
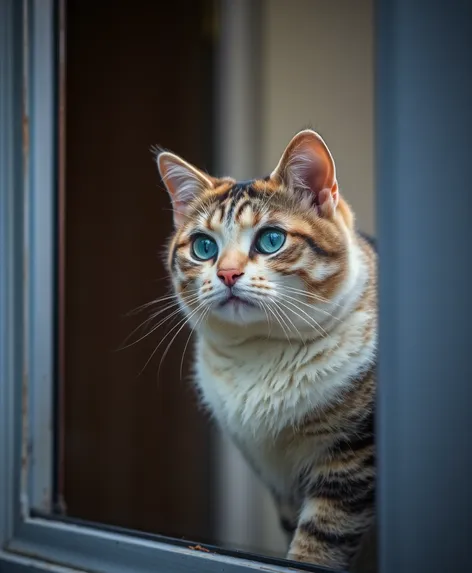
pixel 424 370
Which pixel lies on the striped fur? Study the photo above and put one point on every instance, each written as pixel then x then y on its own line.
pixel 289 373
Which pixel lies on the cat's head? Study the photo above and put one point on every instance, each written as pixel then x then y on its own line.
pixel 271 251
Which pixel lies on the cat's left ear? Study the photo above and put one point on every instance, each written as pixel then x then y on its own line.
pixel 308 165
pixel 183 181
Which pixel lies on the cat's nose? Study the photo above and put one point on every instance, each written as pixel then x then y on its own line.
pixel 229 276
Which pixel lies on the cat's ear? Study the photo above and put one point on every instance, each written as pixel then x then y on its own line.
pixel 183 181
pixel 308 165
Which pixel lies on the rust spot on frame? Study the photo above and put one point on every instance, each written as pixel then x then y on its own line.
pixel 26 140
pixel 199 548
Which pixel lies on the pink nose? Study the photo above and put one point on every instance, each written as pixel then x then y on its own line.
pixel 229 276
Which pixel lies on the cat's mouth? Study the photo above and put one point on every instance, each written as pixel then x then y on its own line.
pixel 236 301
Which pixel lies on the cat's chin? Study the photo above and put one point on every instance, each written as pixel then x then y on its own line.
pixel 237 311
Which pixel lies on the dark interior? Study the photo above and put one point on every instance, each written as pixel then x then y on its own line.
pixel 135 451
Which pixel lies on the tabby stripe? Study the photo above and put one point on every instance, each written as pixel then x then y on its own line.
pixel 241 208
pixel 175 250
pixel 345 490
pixel 289 255
pixel 365 502
pixel 173 259
pixel 222 213
pixel 232 205
pixel 310 528
pixel 251 192
pixel 236 192
pixel 363 417
pixel 187 267
pixel 353 444
pixel 313 246
pixel 361 437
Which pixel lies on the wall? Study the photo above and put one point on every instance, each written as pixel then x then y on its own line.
pixel 318 71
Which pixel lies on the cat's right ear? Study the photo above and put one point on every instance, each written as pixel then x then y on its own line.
pixel 183 181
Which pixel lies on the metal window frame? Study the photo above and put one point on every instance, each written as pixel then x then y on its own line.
pixel 27 221
pixel 40 159
pixel 424 206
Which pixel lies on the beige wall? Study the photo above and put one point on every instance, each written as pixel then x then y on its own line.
pixel 318 72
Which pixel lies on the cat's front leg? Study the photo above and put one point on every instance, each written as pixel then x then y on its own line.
pixel 332 523
pixel 326 535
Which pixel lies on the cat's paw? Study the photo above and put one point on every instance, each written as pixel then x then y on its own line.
pixel 320 560
pixel 301 558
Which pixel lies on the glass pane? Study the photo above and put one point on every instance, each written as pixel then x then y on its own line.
pixel 125 434
pixel 135 448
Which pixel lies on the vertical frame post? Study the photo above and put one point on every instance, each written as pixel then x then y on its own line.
pixel 40 199
pixel 424 209
pixel 11 256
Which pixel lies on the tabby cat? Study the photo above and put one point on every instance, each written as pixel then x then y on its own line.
pixel 281 291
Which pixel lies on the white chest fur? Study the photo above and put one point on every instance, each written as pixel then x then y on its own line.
pixel 259 388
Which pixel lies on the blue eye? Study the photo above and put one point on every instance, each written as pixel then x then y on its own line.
pixel 204 247
pixel 270 241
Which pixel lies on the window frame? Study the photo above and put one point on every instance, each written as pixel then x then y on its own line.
pixel 411 67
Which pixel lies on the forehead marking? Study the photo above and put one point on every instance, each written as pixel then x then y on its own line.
pixel 215 219
pixel 239 190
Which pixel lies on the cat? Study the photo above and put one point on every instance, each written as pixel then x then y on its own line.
pixel 281 291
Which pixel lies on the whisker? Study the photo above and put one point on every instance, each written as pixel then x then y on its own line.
pixel 269 308
pixel 282 314
pixel 205 312
pixel 285 295
pixel 182 323
pixel 184 320
pixel 261 304
pixel 147 305
pixel 292 323
pixel 318 326
pixel 188 300
pixel 123 345
pixel 157 301
pixel 299 316
pixel 274 312
pixel 320 298
pixel 317 297
pixel 153 329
